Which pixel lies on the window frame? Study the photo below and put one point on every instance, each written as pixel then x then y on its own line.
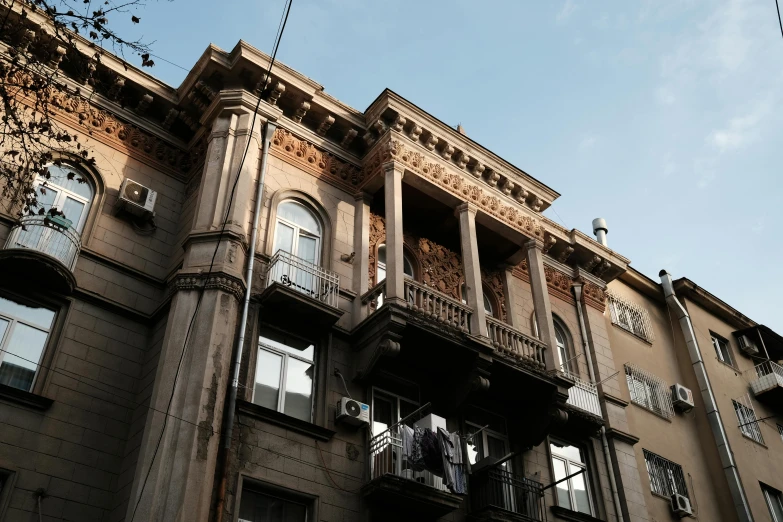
pixel 248 482
pixel 623 312
pixel 398 398
pixel 747 422
pixel 381 265
pixel 657 393
pixel 771 494
pixel 300 230
pixel 284 371
pixel 667 479
pixel 568 462
pixel 63 193
pixel 718 343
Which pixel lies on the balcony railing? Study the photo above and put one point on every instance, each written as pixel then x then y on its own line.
pixel 583 395
pixel 305 277
pixel 506 339
pixel 43 235
pixel 373 298
pixel 768 376
pixel 437 306
pixel 387 458
pixel 498 488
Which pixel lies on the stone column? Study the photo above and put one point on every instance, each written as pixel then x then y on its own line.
pixel 361 247
pixel 511 297
pixel 470 261
pixel 395 261
pixel 543 309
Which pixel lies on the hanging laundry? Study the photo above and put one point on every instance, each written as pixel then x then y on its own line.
pixel 416 459
pixel 460 483
pixel 431 453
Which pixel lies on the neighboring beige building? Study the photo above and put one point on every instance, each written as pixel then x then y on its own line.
pixel 398 265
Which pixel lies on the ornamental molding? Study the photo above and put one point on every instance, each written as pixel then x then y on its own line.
pixel 594 296
pixel 301 153
pixel 393 149
pixel 557 282
pixel 223 282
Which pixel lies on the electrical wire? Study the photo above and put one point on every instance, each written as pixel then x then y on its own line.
pixel 777 6
pixel 278 37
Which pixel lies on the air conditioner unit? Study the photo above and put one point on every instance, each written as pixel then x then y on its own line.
pixel 136 198
pixel 681 505
pixel 353 412
pixel 682 397
pixel 747 346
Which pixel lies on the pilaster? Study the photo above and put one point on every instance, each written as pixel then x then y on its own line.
pixel 395 263
pixel 470 261
pixel 541 304
pixel 361 248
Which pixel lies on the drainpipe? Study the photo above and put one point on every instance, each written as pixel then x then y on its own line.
pixel 228 426
pixel 713 415
pixel 604 442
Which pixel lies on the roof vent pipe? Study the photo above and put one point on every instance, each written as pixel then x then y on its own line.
pixel 600 230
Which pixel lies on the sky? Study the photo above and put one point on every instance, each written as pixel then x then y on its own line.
pixel 665 117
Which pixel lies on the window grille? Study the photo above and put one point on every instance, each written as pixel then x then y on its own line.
pixel 780 431
pixel 746 417
pixel 648 391
pixel 666 477
pixel 630 316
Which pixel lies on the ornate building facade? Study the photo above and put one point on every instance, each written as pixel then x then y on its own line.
pixel 402 269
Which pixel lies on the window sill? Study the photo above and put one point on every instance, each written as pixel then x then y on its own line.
pixel 628 330
pixel 280 419
pixel 572 516
pixel 754 441
pixel 729 366
pixel 31 400
pixel 645 408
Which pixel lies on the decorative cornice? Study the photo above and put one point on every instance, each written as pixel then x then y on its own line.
pixel 622 436
pixel 224 282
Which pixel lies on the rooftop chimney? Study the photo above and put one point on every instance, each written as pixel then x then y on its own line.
pixel 600 230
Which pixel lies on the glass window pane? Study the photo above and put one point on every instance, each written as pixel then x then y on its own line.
pixel 299 389
pixel 572 453
pixel 580 492
pixel 46 197
pixel 257 507
pixel 267 389
pixel 407 267
pixel 382 416
pixel 299 215
pixel 36 316
pixel 287 343
pixel 475 445
pixel 496 447
pixel 59 176
pixel 382 254
pixel 73 210
pixel 307 249
pixel 3 327
pixel 563 498
pixel 487 305
pixel 284 238
pixel 23 351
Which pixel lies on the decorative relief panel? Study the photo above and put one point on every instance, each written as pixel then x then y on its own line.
pixel 441 268
pixel 559 284
pixel 377 236
pixel 304 154
pixel 494 281
pixel 595 296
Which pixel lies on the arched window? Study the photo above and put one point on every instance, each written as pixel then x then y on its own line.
pixel 380 274
pixel 488 308
pixel 562 346
pixel 66 190
pixel 298 231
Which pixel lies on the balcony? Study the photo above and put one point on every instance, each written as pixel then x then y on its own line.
pixel 496 494
pixel 767 382
pixel 44 246
pixel 508 341
pixel 396 489
pixel 298 292
pixel 583 395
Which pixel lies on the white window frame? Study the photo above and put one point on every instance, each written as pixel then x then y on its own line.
pixel 300 230
pixel 579 465
pixel 630 317
pixel 747 421
pixel 772 497
pixel 720 345
pixel 648 391
pixel 13 321
pixel 284 376
pixel 398 399
pixel 63 193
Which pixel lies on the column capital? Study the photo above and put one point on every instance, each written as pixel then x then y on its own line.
pixel 395 166
pixel 466 207
pixel 532 243
pixel 363 197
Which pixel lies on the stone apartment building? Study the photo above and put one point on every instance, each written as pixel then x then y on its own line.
pixel 398 265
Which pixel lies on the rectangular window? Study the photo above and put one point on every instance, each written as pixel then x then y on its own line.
pixel 666 477
pixel 260 507
pixel 648 391
pixel 573 493
pixel 774 502
pixel 24 331
pixel 284 374
pixel 630 316
pixel 722 350
pixel 748 425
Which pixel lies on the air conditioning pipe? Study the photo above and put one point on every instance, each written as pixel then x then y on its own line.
pixel 711 407
pixel 591 371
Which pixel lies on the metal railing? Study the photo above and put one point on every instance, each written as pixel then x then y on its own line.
pixel 506 339
pixel 498 488
pixel 388 458
pixel 305 277
pixel 437 306
pixel 648 391
pixel 583 395
pixel 768 375
pixel 666 477
pixel 41 234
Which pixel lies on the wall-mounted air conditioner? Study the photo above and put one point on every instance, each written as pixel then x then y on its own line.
pixel 681 505
pixel 682 397
pixel 353 412
pixel 747 345
pixel 137 199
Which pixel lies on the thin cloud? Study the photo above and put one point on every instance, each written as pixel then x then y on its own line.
pixel 566 11
pixel 740 130
pixel 587 143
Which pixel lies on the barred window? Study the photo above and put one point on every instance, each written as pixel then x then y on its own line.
pixel 648 391
pixel 748 424
pixel 630 316
pixel 666 477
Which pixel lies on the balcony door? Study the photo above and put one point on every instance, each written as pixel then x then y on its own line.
pixel 298 233
pixel 388 409
pixel 67 191
pixel 484 442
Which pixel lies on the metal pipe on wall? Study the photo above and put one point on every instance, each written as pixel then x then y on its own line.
pixel 711 407
pixel 591 371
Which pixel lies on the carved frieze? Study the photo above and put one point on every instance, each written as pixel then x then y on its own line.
pixel 226 283
pixel 441 268
pixel 304 154
pixel 594 296
pixel 558 283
